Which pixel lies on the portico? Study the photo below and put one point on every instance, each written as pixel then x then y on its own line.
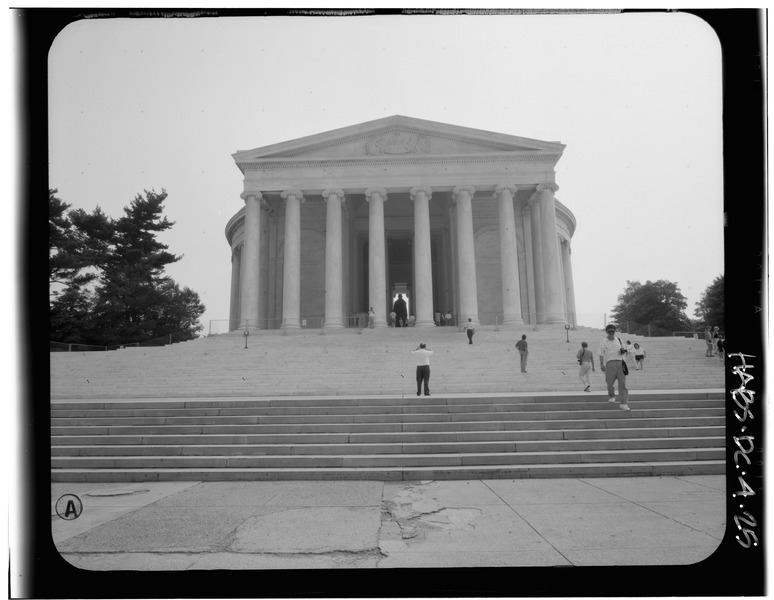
pixel 459 219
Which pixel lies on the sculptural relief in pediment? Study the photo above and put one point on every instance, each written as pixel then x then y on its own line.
pixel 397 142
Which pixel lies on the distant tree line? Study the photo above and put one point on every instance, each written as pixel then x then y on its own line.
pixel 106 276
pixel 658 308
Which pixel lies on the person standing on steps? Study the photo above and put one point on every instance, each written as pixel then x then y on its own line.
pixel 639 357
pixel 612 353
pixel 586 361
pixel 401 311
pixel 708 340
pixel 371 317
pixel 521 345
pixel 422 355
pixel 470 330
pixel 629 357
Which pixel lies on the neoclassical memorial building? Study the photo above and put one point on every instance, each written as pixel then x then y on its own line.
pixel 455 219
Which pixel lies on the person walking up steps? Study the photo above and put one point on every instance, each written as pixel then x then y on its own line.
pixel 708 340
pixel 629 356
pixel 422 355
pixel 521 345
pixel 470 330
pixel 611 361
pixel 639 357
pixel 586 361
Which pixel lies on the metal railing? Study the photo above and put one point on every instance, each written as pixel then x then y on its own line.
pixel 164 340
pixel 66 347
pixel 697 335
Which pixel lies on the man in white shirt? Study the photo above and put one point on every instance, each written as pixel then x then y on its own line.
pixel 422 355
pixel 611 354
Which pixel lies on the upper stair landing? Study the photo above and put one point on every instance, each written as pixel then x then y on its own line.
pixel 372 362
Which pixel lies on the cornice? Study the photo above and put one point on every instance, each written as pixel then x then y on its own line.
pixel 413 159
pixel 234 222
pixel 566 214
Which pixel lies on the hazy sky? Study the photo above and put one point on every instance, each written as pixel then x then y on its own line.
pixel 164 103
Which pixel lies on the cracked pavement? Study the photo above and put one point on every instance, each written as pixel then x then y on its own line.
pixel 372 524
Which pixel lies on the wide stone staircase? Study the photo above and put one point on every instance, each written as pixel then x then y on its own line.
pixel 342 405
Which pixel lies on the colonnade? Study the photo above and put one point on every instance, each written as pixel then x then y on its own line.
pixel 549 266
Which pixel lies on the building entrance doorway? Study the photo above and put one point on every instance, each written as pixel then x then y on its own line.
pixel 400 292
pixel 400 271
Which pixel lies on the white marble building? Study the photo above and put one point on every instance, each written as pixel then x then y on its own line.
pixel 456 219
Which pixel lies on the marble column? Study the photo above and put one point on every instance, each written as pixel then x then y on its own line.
pixel 250 267
pixel 466 255
pixel 552 275
pixel 509 260
pixel 377 269
pixel 236 262
pixel 423 264
pixel 334 315
pixel 537 258
pixel 291 281
pixel 569 284
pixel 529 261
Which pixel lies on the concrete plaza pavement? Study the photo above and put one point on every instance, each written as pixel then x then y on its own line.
pixel 180 526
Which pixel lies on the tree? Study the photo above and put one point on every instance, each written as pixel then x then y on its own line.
pixel 658 306
pixel 710 309
pixel 130 299
pixel 65 248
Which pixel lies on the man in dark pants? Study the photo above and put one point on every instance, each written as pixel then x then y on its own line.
pixel 521 345
pixel 470 330
pixel 401 311
pixel 422 355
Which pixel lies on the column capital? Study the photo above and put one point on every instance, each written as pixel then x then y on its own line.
pixel 550 186
pixel 463 189
pixel 291 193
pixel 333 192
pixel 246 195
pixel 427 191
pixel 381 192
pixel 510 188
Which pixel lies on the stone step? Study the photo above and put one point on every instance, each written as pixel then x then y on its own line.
pixel 461 413
pixel 474 447
pixel 384 405
pixel 400 437
pixel 631 418
pixel 536 471
pixel 241 405
pixel 386 460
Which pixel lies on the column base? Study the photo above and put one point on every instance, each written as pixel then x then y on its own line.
pixel 555 320
pixel 426 323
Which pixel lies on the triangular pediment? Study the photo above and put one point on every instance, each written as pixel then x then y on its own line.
pixel 398 136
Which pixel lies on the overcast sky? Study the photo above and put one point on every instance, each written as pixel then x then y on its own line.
pixel 164 103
